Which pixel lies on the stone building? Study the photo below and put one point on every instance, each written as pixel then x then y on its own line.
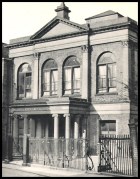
pixel 73 80
pixel 5 97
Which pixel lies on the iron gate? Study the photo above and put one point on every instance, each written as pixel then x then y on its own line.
pixel 65 153
pixel 18 146
pixel 115 154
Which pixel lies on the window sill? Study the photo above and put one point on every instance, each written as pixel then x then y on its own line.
pixel 24 98
pixel 55 96
pixel 111 93
pixel 71 95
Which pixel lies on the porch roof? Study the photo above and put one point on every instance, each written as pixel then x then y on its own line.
pixel 51 106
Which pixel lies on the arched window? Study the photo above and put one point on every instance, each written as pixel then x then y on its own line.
pixel 24 81
pixel 71 76
pixel 49 78
pixel 106 73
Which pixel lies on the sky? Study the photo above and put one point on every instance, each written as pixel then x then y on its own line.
pixel 21 19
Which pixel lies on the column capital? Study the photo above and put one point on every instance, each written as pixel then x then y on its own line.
pixel 25 116
pixel 36 55
pixel 86 48
pixel 66 115
pixel 55 115
pixel 124 43
pixel 129 44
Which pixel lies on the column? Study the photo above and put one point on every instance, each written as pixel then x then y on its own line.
pixel 85 72
pixel 38 129
pixel 32 127
pixel 84 128
pixel 46 129
pixel 25 124
pixel 35 76
pixel 76 127
pixel 76 133
pixel 56 135
pixel 56 126
pixel 15 135
pixel 67 132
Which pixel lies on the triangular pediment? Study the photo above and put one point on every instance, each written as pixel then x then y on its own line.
pixel 56 27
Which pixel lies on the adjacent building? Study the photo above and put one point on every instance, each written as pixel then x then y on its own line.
pixel 75 80
pixel 5 97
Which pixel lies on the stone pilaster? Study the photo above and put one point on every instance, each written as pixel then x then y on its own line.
pixel 126 67
pixel 35 86
pixel 134 145
pixel 15 134
pixel 84 72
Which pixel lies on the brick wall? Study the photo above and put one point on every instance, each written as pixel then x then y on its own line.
pixel 122 121
pixel 59 56
pixel 117 51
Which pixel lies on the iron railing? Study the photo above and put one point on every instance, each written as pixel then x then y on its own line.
pixel 65 153
pixel 115 154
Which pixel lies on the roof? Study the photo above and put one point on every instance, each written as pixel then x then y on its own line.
pixel 106 13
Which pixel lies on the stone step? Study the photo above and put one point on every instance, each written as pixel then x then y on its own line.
pixel 17 157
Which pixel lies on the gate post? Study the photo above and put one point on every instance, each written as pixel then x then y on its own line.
pixel 133 138
pixel 25 150
pixel 99 156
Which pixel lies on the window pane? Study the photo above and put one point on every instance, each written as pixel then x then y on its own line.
pixel 102 78
pixel 67 80
pixel 25 68
pixel 76 80
pixel 108 127
pixel 21 84
pixel 112 75
pixel 46 81
pixel 54 79
pixel 28 81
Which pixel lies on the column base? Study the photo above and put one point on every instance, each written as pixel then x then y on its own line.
pixel 6 161
pixel 26 164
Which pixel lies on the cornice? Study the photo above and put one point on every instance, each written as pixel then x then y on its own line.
pixel 36 41
pixel 113 27
pixel 92 31
pixel 48 102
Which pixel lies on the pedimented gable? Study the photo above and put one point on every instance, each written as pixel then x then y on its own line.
pixel 57 26
pixel 60 29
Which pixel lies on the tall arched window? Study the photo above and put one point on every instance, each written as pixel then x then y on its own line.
pixel 71 76
pixel 24 81
pixel 106 73
pixel 49 78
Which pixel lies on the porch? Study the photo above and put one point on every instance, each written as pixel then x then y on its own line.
pixel 50 120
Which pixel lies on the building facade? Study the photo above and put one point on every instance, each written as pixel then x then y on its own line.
pixel 5 97
pixel 74 81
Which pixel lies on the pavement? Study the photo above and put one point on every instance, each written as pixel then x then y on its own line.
pixel 52 171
